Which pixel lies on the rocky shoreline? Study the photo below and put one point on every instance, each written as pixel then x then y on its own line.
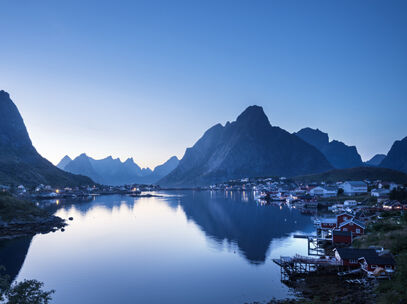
pixel 17 228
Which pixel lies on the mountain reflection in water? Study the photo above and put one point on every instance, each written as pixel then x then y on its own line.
pixel 185 246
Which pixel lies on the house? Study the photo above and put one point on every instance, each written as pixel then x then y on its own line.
pixel 341 237
pixel 343 217
pixel 350 256
pixel 379 192
pixel 392 205
pixel 324 191
pixel 356 227
pixel 350 203
pixel 328 223
pixel 372 262
pixel 354 187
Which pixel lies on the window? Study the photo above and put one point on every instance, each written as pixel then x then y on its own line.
pixel 357 230
pixel 351 261
pixel 373 266
pixel 345 229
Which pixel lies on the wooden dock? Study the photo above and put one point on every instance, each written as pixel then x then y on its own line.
pixel 298 265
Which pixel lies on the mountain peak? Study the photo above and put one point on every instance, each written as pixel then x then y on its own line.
pixel 4 94
pixel 64 162
pixel 253 115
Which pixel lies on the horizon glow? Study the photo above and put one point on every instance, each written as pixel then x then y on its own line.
pixel 147 79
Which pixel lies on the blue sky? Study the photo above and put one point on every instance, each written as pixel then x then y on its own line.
pixel 145 79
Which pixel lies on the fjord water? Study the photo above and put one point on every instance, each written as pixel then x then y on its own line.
pixel 184 247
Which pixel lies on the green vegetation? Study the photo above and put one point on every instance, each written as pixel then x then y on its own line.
pixel 12 208
pixel 391 233
pixel 25 292
pixel 398 194
pixel 361 173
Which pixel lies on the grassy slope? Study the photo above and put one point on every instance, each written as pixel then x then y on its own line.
pixel 12 208
pixel 391 233
pixel 359 173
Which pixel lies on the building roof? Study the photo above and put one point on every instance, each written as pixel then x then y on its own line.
pixel 355 253
pixel 356 183
pixel 328 221
pixel 345 213
pixel 380 260
pixel 341 233
pixel 357 222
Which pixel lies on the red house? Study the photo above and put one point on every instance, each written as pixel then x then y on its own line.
pixel 371 262
pixel 328 223
pixel 341 237
pixel 350 256
pixel 354 226
pixel 343 217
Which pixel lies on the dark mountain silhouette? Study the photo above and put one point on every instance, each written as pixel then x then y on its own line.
pixel 375 160
pixel 397 157
pixel 20 163
pixel 12 255
pixel 248 147
pixel 112 171
pixel 338 154
pixel 64 161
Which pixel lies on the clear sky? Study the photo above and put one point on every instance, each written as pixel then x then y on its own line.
pixel 145 79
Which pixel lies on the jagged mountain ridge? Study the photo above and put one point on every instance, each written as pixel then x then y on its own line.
pixel 338 154
pixel 20 163
pixel 247 147
pixel 112 171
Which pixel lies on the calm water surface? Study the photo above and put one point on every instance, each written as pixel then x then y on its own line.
pixel 184 247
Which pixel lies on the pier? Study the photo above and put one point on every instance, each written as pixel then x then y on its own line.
pixel 298 265
pixel 315 243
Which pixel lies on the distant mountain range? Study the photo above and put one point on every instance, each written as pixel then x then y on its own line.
pixel 247 147
pixel 20 163
pixel 110 171
pixel 376 160
pixel 338 154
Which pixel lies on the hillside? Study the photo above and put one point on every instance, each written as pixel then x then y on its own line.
pixel 359 173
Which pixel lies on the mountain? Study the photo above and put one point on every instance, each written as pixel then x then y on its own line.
pixel 167 167
pixel 112 171
pixel 20 163
pixel 376 160
pixel 359 173
pixel 62 164
pixel 397 157
pixel 338 154
pixel 247 147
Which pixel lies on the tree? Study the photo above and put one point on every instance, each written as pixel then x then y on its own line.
pixel 25 292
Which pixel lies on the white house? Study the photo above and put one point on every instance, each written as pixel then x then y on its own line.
pixel 323 191
pixel 354 187
pixel 379 192
pixel 349 203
